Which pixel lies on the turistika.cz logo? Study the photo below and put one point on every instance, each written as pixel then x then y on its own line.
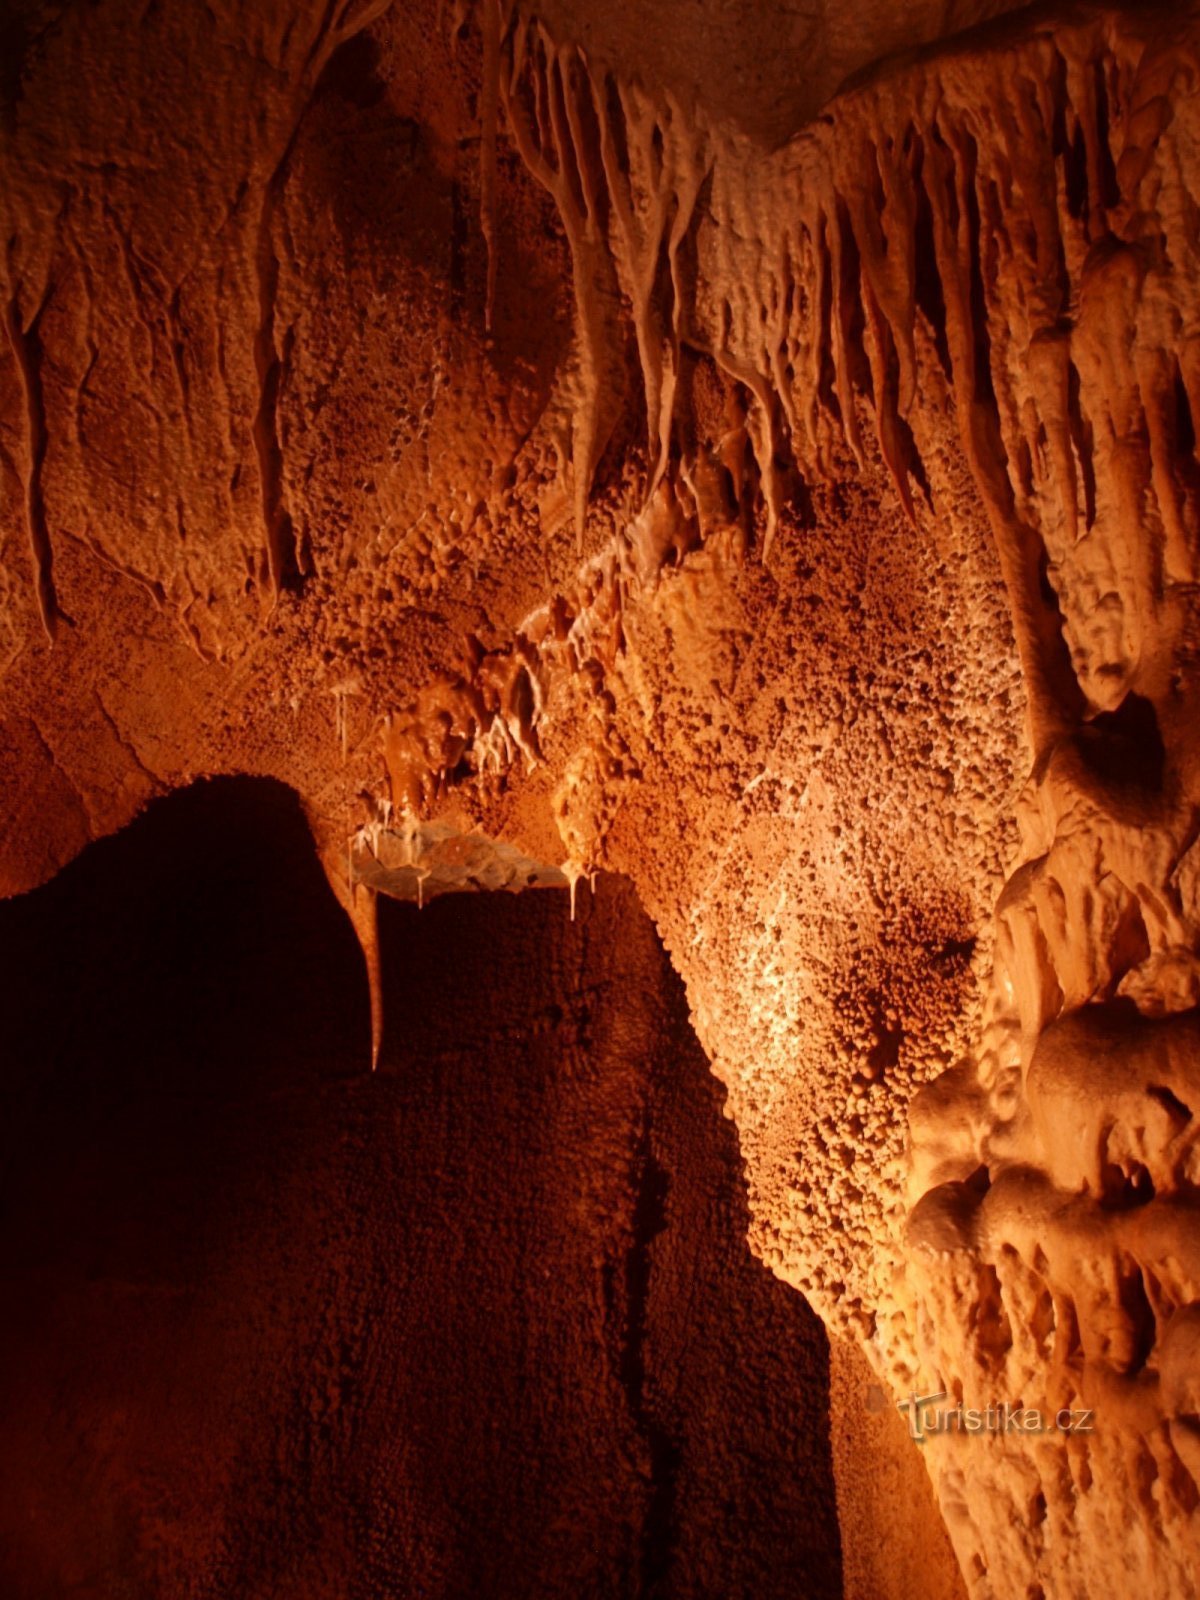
pixel 927 1416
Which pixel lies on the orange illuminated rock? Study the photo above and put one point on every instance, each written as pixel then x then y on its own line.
pixel 615 448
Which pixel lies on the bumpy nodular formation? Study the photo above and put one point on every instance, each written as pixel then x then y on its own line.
pixel 1002 244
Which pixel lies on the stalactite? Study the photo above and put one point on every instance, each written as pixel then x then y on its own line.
pixel 653 184
pixel 552 141
pixel 365 915
pixel 334 846
pixel 573 872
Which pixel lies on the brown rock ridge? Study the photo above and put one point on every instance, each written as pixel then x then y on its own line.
pixel 806 529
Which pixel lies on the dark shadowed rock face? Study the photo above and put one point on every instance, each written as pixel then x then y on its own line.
pixel 484 1323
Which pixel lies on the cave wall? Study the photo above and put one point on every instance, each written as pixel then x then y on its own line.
pixel 794 510
pixel 484 1322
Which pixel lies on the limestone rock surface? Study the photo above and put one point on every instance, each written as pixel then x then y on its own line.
pixel 563 442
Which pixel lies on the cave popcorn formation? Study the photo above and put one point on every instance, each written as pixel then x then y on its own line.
pixel 576 479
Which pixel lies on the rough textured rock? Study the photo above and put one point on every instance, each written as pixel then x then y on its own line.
pixel 894 1546
pixel 796 509
pixel 484 1323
